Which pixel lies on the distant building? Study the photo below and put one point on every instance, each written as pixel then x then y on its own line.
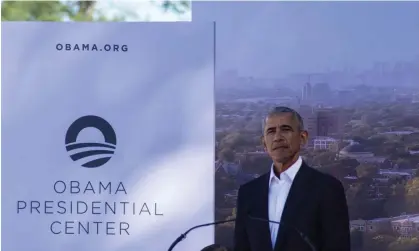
pixel 398 133
pixel 327 122
pixel 358 152
pixel 306 92
pixel 345 97
pixel 378 225
pixel 331 121
pixel 414 152
pixel 404 225
pixel 325 143
pixel 310 121
pixel 395 174
pixel 403 99
pixel 350 179
pixel 372 226
pixel 321 91
pixel 355 151
pixel 359 225
pixel 407 227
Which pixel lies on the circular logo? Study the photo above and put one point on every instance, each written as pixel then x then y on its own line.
pixel 90 154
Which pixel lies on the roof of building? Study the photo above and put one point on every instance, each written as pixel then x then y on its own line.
pixel 395 173
pixel 405 218
pixel 398 132
pixel 354 148
pixel 325 138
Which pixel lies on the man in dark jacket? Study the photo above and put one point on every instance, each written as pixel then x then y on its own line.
pixel 293 207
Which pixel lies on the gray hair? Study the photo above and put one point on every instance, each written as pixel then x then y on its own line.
pixel 279 110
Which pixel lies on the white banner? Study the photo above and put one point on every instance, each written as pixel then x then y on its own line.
pixel 108 136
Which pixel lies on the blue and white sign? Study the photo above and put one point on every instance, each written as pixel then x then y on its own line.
pixel 107 135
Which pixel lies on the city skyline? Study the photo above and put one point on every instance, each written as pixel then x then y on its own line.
pixel 390 67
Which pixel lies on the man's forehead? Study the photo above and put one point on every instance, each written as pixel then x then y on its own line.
pixel 280 119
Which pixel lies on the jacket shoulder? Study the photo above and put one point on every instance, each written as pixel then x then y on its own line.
pixel 255 183
pixel 323 178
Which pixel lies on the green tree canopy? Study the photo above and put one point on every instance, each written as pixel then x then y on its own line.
pixel 227 155
pixel 321 158
pixel 412 195
pixel 366 170
pixel 396 203
pixel 71 10
pixel 357 239
pixel 33 11
pixel 335 169
pixel 411 244
pixel 378 242
pixel 47 11
pixel 238 140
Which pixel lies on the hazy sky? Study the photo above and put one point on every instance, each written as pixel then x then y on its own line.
pixel 134 11
pixel 273 39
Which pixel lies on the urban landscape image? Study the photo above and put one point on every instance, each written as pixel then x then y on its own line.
pixel 352 72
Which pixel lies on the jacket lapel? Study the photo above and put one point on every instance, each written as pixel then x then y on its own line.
pixel 260 210
pixel 296 196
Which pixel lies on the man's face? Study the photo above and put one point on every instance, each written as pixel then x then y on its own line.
pixel 282 137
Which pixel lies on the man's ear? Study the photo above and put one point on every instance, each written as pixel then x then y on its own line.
pixel 304 137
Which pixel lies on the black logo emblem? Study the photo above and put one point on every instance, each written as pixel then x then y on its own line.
pixel 93 158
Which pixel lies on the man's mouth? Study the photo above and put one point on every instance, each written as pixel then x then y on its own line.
pixel 280 147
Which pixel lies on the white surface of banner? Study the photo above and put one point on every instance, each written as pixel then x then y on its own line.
pixel 108 136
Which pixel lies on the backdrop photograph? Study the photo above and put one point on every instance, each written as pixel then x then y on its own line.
pixel 352 71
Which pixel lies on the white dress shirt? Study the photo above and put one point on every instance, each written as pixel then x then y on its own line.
pixel 278 193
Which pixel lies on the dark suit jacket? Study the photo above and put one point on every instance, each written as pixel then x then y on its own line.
pixel 316 206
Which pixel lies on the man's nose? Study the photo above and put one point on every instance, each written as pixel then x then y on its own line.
pixel 278 136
